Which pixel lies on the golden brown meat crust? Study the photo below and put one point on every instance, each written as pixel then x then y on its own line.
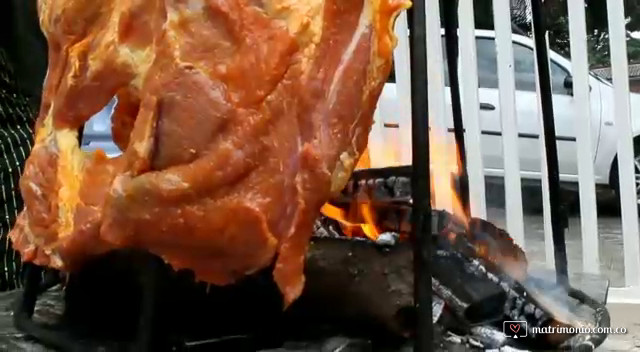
pixel 240 118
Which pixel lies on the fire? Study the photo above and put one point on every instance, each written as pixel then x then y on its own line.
pixel 445 161
pixel 365 160
pixel 369 227
pixel 352 228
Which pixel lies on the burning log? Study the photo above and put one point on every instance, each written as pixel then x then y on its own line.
pixel 478 271
pixel 355 286
pixel 355 283
pixel 359 282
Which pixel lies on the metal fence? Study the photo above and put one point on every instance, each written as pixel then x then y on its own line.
pixel 440 109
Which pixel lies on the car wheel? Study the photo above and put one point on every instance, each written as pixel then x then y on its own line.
pixel 615 183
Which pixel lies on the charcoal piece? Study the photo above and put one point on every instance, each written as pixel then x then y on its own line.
pixel 402 188
pixel 437 306
pixel 500 247
pixel 391 182
pixel 371 183
pixel 319 230
pixel 325 227
pixel 361 186
pixel 350 188
pixel 489 337
pixel 476 298
pixel 380 191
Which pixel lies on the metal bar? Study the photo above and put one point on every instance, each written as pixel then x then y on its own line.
pixel 622 115
pixel 420 177
pixel 557 214
pixel 451 43
pixel 509 120
pixel 582 118
pixel 470 111
pixel 544 178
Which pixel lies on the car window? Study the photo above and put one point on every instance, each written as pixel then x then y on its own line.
pixel 487 63
pixel 558 76
pixel 524 68
pixel 445 64
pixel 524 64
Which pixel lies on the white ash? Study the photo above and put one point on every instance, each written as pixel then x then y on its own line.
pixel 437 306
pixel 387 239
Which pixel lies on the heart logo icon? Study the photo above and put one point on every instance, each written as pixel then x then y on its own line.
pixel 514 327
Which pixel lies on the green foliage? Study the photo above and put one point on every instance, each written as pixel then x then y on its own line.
pixel 557 21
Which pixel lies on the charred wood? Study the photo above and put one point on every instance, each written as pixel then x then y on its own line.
pixel 355 287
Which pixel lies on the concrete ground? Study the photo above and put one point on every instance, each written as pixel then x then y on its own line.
pixel 627 316
pixel 611 256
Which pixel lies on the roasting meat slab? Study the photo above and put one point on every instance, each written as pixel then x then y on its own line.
pixel 238 119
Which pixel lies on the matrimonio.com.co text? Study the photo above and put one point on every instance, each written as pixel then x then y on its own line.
pixel 577 330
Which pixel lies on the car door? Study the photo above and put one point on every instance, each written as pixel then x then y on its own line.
pixel 564 108
pixel 97 132
pixel 527 112
pixel 529 125
pixel 489 115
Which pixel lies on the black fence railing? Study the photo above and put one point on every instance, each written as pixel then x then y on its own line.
pixel 421 219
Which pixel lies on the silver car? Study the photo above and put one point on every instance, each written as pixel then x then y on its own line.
pixel 97 132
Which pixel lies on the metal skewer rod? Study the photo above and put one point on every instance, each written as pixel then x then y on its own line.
pixel 558 217
pixel 420 179
pixel 451 42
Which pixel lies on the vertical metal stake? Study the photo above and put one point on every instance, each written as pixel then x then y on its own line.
pixel 558 217
pixel 451 42
pixel 420 180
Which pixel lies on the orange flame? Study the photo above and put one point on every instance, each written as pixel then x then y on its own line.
pixel 365 161
pixel 445 161
pixel 445 165
pixel 351 228
pixel 369 227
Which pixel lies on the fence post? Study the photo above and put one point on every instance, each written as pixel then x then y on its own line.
pixel 509 120
pixel 403 89
pixel 622 113
pixel 586 178
pixel 440 160
pixel 470 108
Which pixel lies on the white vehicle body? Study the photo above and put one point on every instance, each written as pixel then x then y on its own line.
pixel 603 139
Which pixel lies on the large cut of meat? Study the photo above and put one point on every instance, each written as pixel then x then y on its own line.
pixel 238 120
